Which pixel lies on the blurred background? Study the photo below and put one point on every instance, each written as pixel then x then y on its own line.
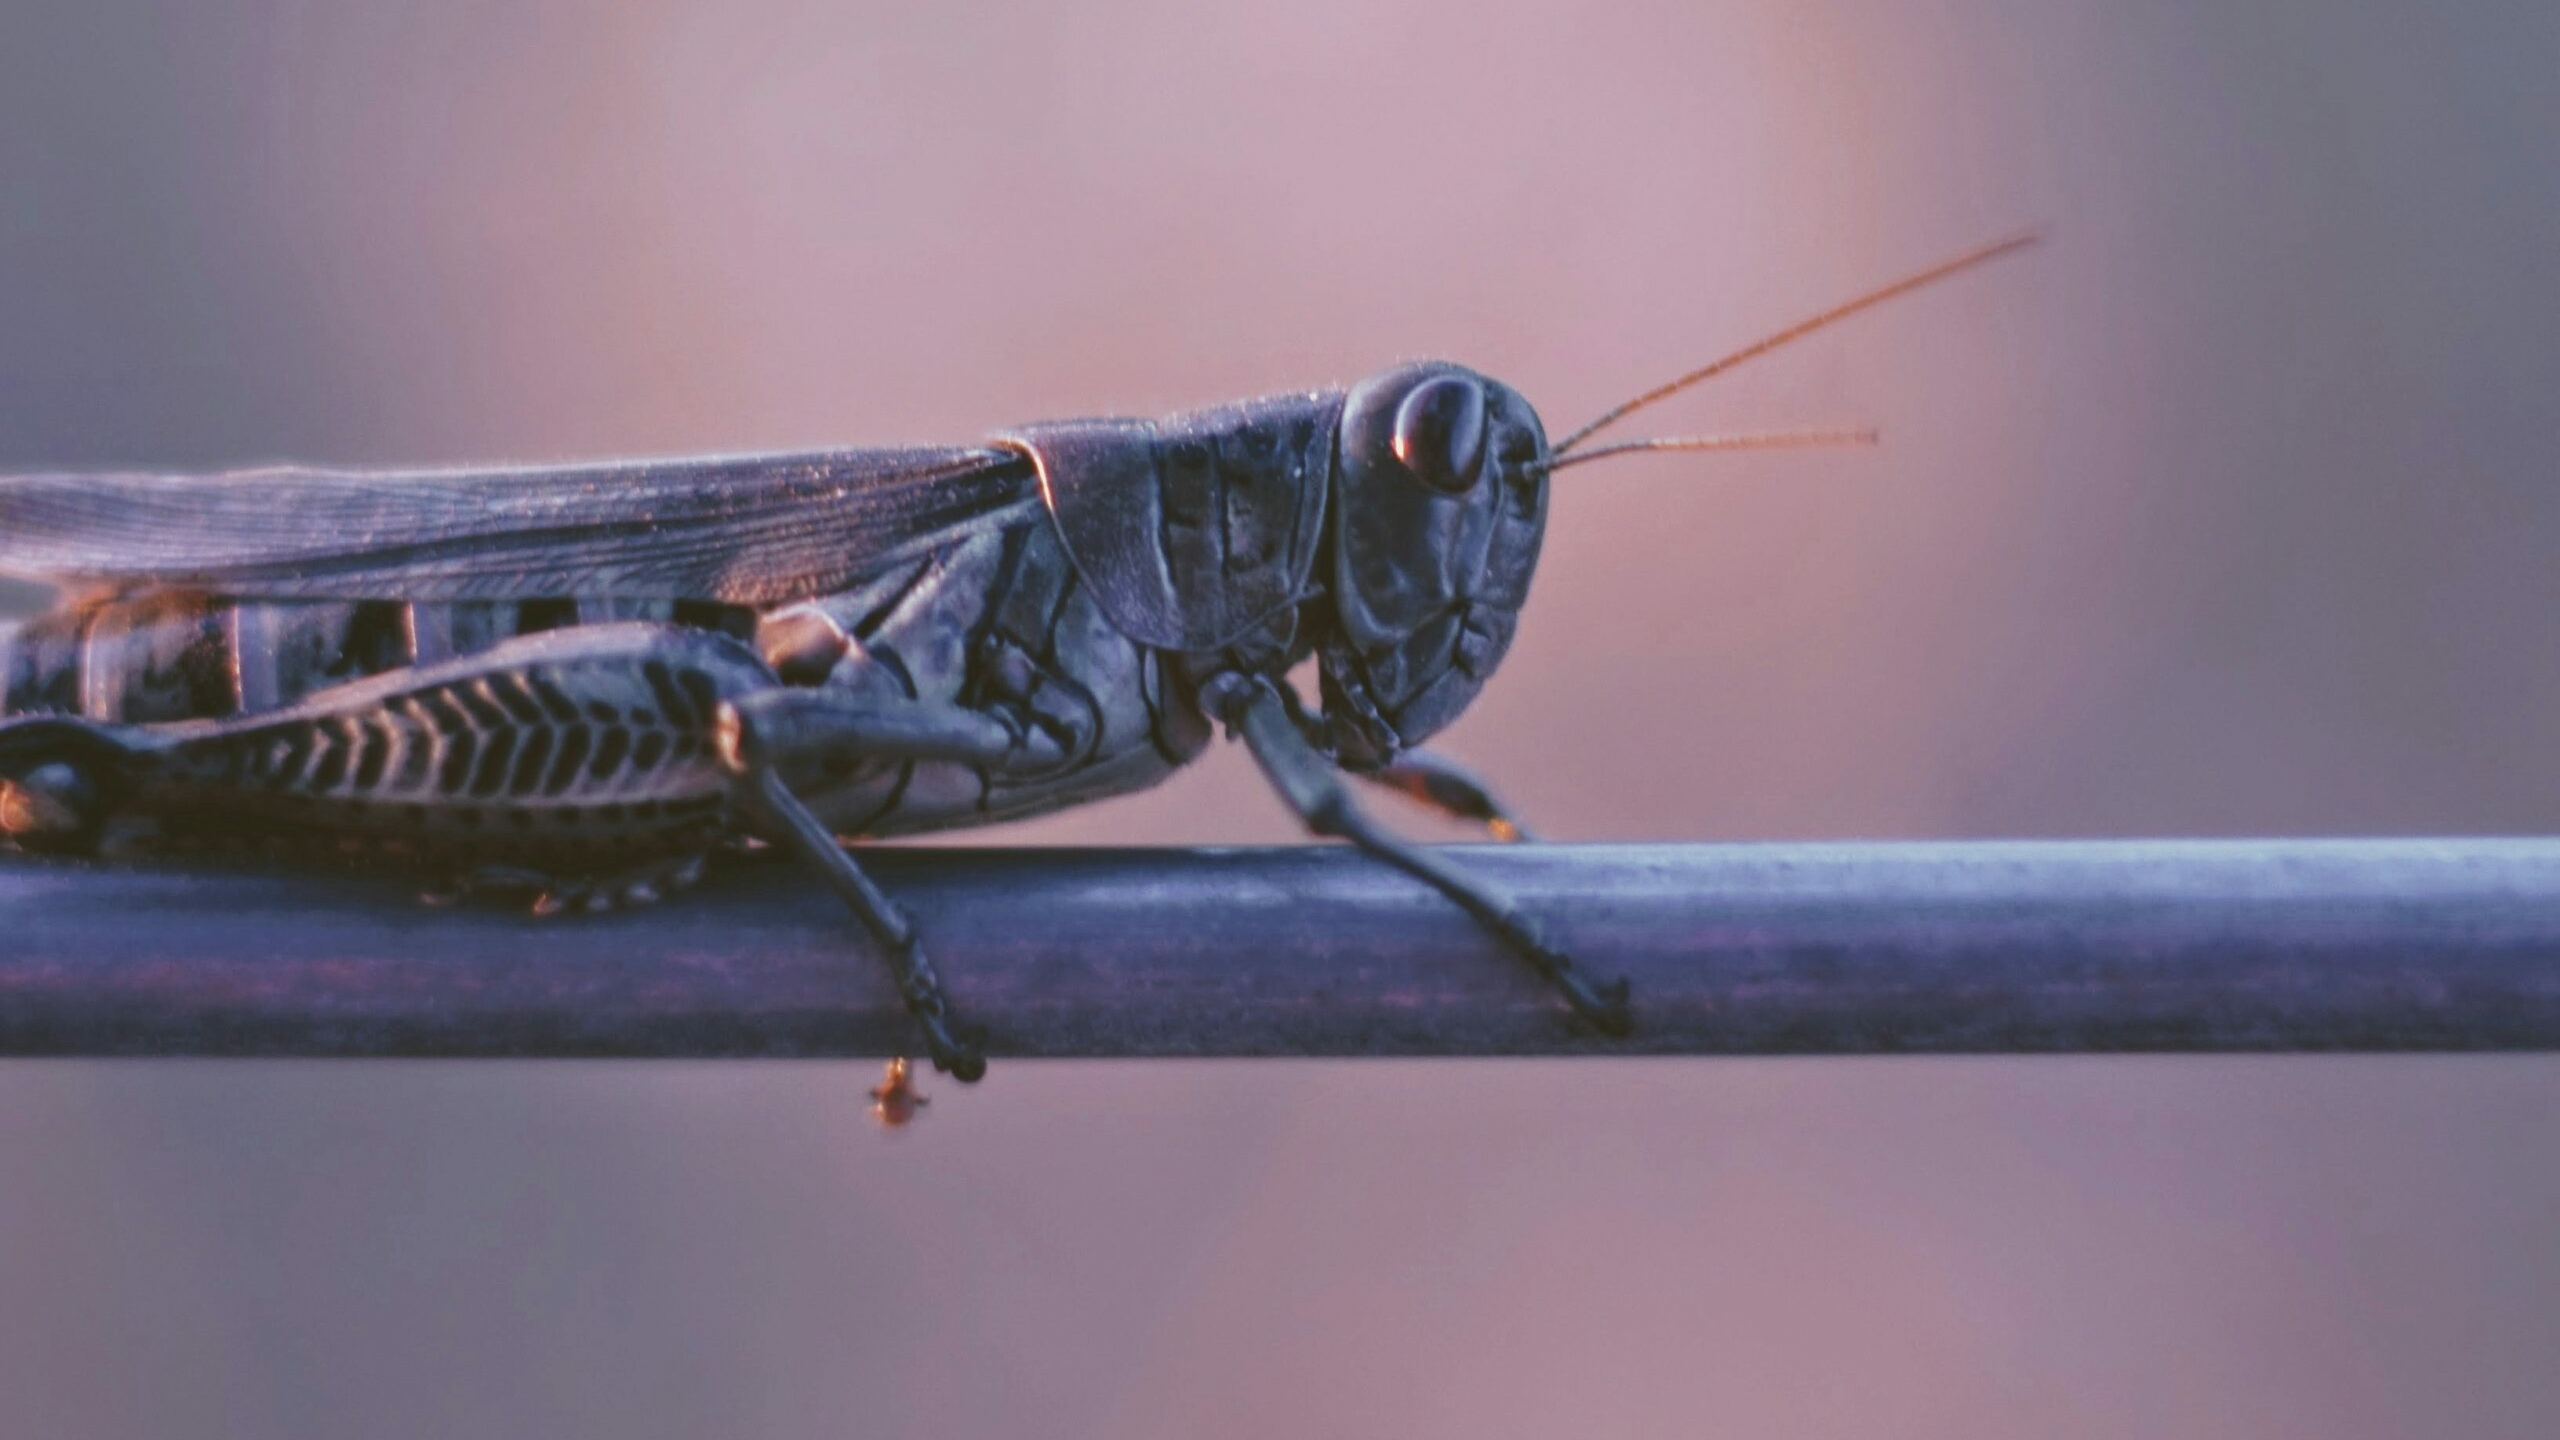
pixel 2229 511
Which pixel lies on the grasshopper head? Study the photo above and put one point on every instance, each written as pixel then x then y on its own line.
pixel 1439 503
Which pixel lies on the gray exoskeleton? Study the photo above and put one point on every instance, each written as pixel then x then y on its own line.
pixel 591 675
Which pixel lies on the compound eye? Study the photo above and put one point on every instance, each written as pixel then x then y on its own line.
pixel 1440 433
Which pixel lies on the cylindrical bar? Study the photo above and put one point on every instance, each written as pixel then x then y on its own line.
pixel 1733 949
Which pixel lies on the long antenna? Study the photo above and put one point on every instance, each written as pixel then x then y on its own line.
pixel 1802 328
pixel 1769 440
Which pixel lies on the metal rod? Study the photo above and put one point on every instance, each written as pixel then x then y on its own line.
pixel 1734 949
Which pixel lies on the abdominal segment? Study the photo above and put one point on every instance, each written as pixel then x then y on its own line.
pixel 175 654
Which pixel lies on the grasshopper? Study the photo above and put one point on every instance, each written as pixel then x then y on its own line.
pixel 583 679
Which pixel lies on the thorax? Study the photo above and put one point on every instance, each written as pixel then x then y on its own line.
pixel 1002 623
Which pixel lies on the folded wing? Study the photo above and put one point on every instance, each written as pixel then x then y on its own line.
pixel 747 530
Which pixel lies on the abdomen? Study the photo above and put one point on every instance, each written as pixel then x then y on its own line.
pixel 166 655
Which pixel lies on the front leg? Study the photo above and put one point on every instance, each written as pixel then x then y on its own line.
pixel 1309 782
pixel 1450 788
pixel 1432 781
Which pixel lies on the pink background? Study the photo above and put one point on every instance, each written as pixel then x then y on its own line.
pixel 2231 511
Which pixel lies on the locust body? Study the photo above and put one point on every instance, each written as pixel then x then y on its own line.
pixel 592 675
pixel 585 678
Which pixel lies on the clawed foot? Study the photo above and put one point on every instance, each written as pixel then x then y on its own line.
pixel 633 889
pixel 955 1048
pixel 1602 1003
pixel 549 894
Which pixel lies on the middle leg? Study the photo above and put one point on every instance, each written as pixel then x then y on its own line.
pixel 773 733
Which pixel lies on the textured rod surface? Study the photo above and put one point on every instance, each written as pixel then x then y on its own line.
pixel 1734 949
